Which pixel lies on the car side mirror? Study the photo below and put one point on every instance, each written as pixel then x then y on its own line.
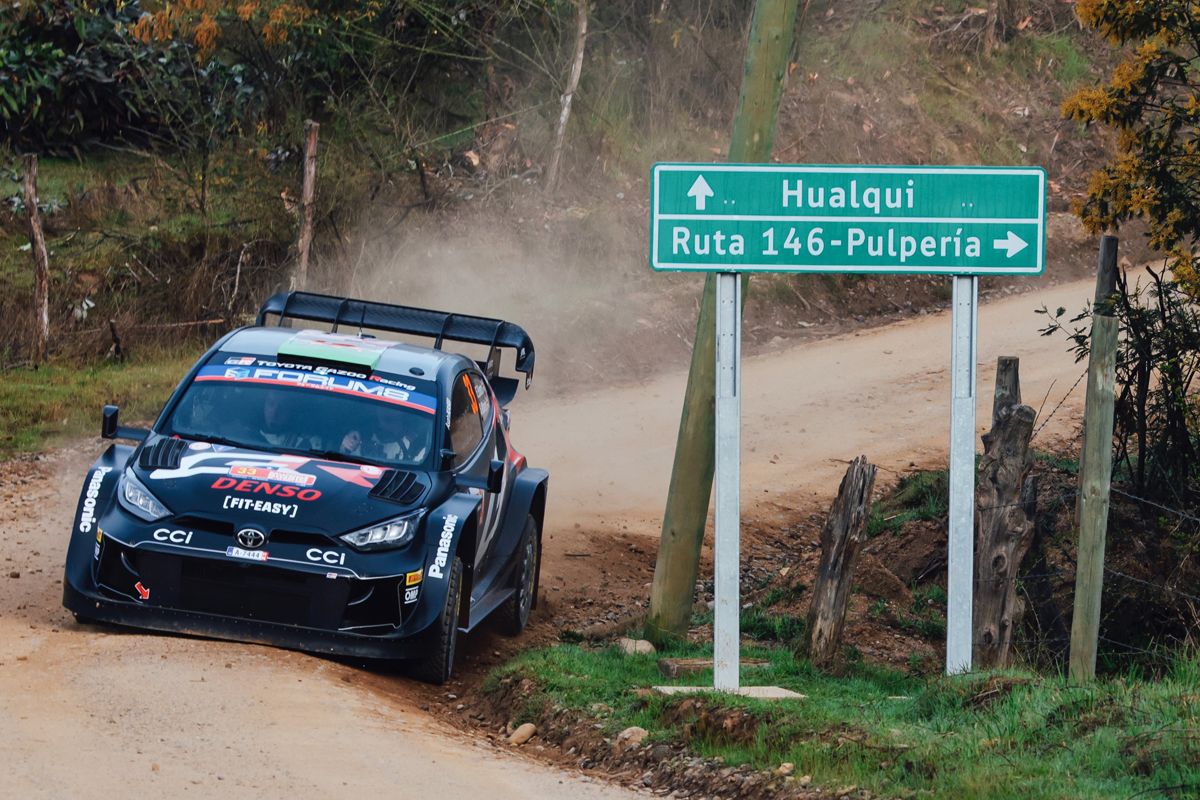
pixel 495 479
pixel 446 458
pixel 111 428
pixel 108 422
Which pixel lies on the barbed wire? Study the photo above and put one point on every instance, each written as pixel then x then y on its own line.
pixel 1151 584
pixel 1160 506
pixel 1054 411
pixel 1135 649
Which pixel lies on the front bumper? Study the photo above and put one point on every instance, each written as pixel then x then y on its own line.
pixel 211 596
pixel 314 640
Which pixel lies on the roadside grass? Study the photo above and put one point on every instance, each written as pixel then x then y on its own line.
pixel 1069 464
pixel 920 496
pixel 996 735
pixel 40 406
pixel 1053 53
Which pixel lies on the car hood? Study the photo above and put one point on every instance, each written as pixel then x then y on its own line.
pixel 275 490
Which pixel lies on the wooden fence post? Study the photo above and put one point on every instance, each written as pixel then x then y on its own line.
pixel 41 265
pixel 843 534
pixel 1095 471
pixel 306 202
pixel 1006 499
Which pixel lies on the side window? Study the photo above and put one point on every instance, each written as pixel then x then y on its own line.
pixel 484 397
pixel 465 428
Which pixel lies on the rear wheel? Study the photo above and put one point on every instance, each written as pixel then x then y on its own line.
pixel 436 666
pixel 513 616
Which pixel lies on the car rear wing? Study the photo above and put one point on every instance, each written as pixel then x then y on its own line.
pixel 441 326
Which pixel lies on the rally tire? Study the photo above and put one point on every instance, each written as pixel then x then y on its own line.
pixel 513 616
pixel 436 666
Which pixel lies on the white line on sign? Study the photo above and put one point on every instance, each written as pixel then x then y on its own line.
pixel 848 169
pixel 773 218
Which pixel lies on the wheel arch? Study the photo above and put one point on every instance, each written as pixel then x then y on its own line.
pixel 537 510
pixel 465 551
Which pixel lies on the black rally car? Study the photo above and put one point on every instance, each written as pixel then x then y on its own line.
pixel 322 490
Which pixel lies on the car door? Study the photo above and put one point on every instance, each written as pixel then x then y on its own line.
pixel 474 439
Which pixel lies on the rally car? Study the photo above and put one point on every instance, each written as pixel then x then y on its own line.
pixel 325 491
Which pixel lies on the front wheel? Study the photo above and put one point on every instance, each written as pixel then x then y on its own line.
pixel 513 616
pixel 436 666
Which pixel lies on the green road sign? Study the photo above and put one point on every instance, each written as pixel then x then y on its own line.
pixel 798 218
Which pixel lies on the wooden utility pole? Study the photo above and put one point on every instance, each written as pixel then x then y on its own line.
pixel 1095 471
pixel 1006 497
pixel 843 534
pixel 41 265
pixel 306 202
pixel 767 52
pixel 568 95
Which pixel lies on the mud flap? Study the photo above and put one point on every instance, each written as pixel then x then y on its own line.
pixel 520 504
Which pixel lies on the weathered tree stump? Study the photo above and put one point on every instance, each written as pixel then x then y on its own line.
pixel 844 532
pixel 1006 502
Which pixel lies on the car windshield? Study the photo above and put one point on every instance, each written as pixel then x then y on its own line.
pixel 354 420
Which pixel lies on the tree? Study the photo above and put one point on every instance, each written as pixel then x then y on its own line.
pixel 1152 101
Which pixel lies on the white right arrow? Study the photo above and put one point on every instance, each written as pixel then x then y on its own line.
pixel 701 191
pixel 1011 244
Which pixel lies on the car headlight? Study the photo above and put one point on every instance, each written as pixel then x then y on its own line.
pixel 391 534
pixel 137 500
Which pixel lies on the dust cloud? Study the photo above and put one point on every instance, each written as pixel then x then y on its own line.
pixel 577 281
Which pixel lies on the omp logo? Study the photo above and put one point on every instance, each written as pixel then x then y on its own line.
pixel 174 537
pixel 88 515
pixel 443 550
pixel 325 556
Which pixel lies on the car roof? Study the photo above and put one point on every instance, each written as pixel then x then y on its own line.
pixel 397 358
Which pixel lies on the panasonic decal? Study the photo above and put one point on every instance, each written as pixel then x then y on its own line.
pixel 88 515
pixel 443 549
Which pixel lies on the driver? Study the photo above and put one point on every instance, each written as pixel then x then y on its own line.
pixel 351 444
pixel 199 415
pixel 394 440
pixel 276 429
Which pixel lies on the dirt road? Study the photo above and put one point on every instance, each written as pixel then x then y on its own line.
pixel 884 392
pixel 89 712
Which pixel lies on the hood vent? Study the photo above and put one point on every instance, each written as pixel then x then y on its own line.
pixel 164 454
pixel 398 487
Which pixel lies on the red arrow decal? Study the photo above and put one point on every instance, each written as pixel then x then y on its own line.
pixel 142 591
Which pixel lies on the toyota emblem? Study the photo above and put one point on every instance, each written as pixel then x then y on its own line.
pixel 251 539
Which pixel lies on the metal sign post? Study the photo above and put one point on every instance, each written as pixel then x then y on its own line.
pixel 957 221
pixel 961 547
pixel 727 556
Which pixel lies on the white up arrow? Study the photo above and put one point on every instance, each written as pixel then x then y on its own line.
pixel 701 191
pixel 1011 244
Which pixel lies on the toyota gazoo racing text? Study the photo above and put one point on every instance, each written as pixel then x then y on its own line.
pixel 324 491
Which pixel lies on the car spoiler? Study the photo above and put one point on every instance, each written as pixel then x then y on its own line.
pixel 441 326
